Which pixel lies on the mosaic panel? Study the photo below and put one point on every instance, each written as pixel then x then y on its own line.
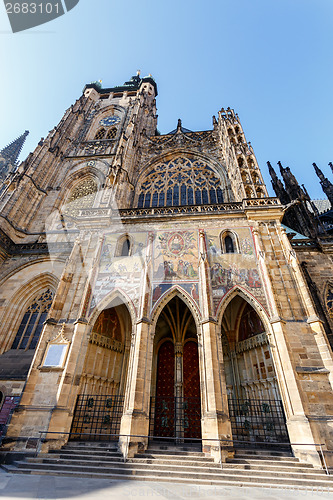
pixel 175 262
pixel 230 269
pixel 124 272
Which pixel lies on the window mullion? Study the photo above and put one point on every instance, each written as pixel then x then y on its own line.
pixel 26 326
pixel 34 329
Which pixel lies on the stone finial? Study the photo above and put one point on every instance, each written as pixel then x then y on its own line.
pixel 331 165
pixel 326 185
pixel 318 172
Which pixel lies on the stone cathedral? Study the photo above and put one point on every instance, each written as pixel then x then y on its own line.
pixel 149 290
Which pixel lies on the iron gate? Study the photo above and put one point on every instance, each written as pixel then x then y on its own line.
pixel 259 421
pixel 97 415
pixel 175 417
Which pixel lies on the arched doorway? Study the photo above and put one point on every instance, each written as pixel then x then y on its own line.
pixel 100 402
pixel 175 404
pixel 255 404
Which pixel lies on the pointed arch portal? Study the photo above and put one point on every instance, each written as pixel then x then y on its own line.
pixel 100 402
pixel 255 405
pixel 175 404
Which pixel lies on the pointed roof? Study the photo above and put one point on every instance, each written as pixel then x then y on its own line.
pixel 326 185
pixel 13 150
pixel 278 186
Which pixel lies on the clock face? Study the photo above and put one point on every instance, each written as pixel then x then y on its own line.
pixel 110 120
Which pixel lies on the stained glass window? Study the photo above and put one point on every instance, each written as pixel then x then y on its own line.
pixel 100 134
pixel 32 323
pixel 82 196
pixel 181 181
pixel 111 133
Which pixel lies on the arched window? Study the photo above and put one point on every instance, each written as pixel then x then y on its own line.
pixel 82 196
pixel 111 133
pixel 229 246
pixel 125 249
pixel 229 242
pixel 178 182
pixel 100 134
pixel 249 192
pixel 31 325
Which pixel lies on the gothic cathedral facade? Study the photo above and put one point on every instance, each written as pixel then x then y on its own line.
pixel 148 290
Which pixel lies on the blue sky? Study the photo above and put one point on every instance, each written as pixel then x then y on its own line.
pixel 269 60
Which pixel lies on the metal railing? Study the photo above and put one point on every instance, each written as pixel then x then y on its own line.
pixel 222 444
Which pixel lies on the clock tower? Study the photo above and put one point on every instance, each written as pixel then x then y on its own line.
pixel 149 289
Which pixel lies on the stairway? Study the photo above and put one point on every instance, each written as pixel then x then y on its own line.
pixel 182 465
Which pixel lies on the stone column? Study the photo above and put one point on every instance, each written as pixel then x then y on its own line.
pixel 68 385
pixel 134 425
pixel 298 425
pixel 215 422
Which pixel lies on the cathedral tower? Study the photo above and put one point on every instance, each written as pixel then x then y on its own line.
pixel 148 288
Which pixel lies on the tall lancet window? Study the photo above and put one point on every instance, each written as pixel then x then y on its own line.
pixel 125 250
pixel 32 323
pixel 229 246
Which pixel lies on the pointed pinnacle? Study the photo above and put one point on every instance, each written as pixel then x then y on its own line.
pixel 281 167
pixel 271 170
pixel 13 150
pixel 318 171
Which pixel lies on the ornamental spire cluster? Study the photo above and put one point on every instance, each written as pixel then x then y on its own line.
pixel 10 154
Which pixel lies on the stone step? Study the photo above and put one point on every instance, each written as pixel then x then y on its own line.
pixel 177 453
pixel 141 463
pixel 263 463
pixel 101 449
pixel 175 448
pixel 223 477
pixel 264 451
pixel 86 453
pixel 285 458
pixel 45 458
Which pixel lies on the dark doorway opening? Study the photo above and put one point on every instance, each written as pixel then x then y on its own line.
pixel 176 405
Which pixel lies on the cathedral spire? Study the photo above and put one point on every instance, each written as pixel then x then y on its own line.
pixel 326 185
pixel 291 185
pixel 11 152
pixel 278 186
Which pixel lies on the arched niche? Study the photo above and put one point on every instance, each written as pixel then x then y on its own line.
pixel 104 369
pixel 255 403
pixel 100 400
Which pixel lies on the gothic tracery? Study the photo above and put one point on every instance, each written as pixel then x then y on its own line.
pixel 180 181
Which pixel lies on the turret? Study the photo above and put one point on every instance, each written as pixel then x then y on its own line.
pixel 278 186
pixel 326 185
pixel 291 185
